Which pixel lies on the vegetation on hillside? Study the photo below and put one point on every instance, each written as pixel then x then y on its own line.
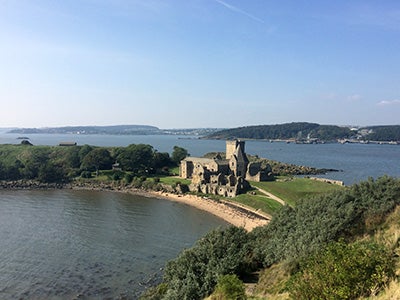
pixel 383 133
pixel 309 132
pixel 296 130
pixel 61 164
pixel 327 243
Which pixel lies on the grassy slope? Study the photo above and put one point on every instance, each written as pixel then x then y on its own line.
pixel 263 203
pixel 272 281
pixel 291 190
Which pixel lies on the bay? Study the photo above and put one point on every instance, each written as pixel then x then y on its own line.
pixel 61 244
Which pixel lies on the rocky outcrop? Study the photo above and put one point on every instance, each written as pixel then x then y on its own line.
pixel 30 185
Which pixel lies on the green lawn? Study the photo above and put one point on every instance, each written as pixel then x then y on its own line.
pixel 291 190
pixel 174 170
pixel 263 203
pixel 173 180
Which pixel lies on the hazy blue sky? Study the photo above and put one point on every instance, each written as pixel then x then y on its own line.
pixel 199 63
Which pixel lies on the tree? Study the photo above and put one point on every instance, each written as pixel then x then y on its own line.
pixel 137 158
pixel 161 160
pixel 97 159
pixel 35 158
pixel 51 173
pixel 178 154
pixel 83 151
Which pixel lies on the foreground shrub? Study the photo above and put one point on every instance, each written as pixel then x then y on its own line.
pixel 194 274
pixel 86 174
pixel 343 271
pixel 229 287
pixel 155 293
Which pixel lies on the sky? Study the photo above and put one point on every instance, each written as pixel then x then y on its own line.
pixel 199 63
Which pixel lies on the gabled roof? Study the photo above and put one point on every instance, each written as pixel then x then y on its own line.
pixel 240 155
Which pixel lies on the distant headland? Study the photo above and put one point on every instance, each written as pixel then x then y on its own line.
pixel 115 130
pixel 296 132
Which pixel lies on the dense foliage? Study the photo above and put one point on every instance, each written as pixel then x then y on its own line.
pixel 229 287
pixel 296 232
pixel 343 271
pixel 195 273
pixel 313 237
pixel 299 130
pixel 61 164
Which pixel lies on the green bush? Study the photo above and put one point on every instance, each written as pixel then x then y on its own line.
pixel 155 293
pixel 128 178
pixel 194 274
pixel 117 175
pixel 343 271
pixel 229 287
pixel 86 174
pixel 137 182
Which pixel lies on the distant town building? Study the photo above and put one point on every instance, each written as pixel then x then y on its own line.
pixel 67 144
pixel 226 177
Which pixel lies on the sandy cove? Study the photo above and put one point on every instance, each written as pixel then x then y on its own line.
pixel 235 214
pixel 232 213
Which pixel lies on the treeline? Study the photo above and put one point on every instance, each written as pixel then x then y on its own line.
pixel 322 244
pixel 296 130
pixel 61 164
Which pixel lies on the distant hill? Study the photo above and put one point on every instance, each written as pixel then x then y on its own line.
pixel 301 131
pixel 114 130
pixel 382 133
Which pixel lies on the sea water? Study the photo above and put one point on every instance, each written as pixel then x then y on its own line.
pixel 61 244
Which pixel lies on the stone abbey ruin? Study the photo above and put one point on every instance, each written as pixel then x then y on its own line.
pixel 225 177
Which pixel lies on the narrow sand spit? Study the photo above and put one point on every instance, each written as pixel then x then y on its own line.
pixel 232 213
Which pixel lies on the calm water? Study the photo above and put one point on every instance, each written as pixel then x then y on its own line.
pixel 59 244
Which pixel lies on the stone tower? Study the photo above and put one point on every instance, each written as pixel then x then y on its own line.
pixel 231 147
pixel 237 157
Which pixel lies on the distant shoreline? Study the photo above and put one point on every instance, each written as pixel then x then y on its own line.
pixel 235 214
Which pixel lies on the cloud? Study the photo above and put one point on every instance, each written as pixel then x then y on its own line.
pixel 389 102
pixel 355 97
pixel 240 11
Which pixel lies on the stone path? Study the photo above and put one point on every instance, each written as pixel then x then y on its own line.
pixel 272 196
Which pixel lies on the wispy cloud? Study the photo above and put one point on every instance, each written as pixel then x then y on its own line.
pixel 355 97
pixel 389 102
pixel 240 11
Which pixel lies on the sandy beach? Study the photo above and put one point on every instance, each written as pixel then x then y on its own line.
pixel 234 214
